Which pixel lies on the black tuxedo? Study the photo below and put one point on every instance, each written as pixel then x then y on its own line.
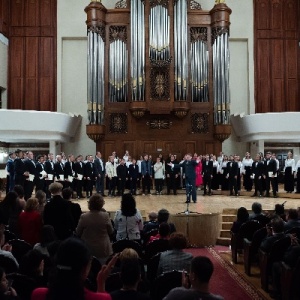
pixel 79 169
pixel 171 176
pixel 49 169
pixel 100 174
pixel 122 174
pixel 233 169
pixel 59 170
pixel 19 169
pixel 69 171
pixel 30 167
pixel 207 172
pixel 89 172
pixel 133 174
pixel 258 172
pixel 270 167
pixel 40 180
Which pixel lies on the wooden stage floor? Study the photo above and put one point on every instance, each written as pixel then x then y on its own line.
pixel 205 204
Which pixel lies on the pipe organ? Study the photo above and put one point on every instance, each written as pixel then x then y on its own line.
pixel 158 76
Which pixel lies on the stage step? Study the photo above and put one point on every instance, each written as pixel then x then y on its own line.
pixel 228 218
pixel 226 225
pixel 225 234
pixel 223 241
pixel 229 211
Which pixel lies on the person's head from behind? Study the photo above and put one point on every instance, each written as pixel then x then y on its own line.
pixel 10 200
pixel 67 193
pixel 32 263
pixel 47 235
pixel 277 225
pixel 242 214
pixel 201 270
pixel 55 188
pixel 178 241
pixel 19 190
pixel 292 214
pixel 32 204
pixel 256 208
pixel 73 262
pixel 152 216
pixel 164 230
pixel 128 253
pixel 96 202
pixel 130 273
pixel 41 196
pixel 163 216
pixel 128 205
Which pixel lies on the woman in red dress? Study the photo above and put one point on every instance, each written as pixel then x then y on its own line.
pixel 198 171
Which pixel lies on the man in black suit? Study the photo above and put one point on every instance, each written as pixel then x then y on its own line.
pixel 40 174
pixel 79 173
pixel 122 174
pixel 19 168
pixel 207 172
pixel 233 169
pixel 10 168
pixel 69 172
pixel 190 176
pixel 270 174
pixel 275 233
pixel 258 172
pixel 172 175
pixel 89 176
pixel 49 169
pixel 99 173
pixel 59 170
pixel 133 175
pixel 30 172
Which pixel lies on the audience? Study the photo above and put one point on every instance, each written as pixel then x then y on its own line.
pixel 163 217
pixel 95 227
pixel 176 258
pixel 47 237
pixel 20 191
pixel 242 217
pixel 130 276
pixel 163 233
pixel 73 262
pixel 30 222
pixel 199 277
pixel 74 207
pixel 152 223
pixel 6 291
pixel 128 221
pixel 58 214
pixel 275 233
pixel 41 196
pixel 292 220
pixel 5 249
pixel 258 214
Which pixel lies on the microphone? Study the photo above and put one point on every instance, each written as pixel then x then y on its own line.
pixel 284 203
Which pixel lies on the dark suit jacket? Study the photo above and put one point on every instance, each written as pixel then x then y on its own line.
pixel 122 172
pixel 58 169
pixel 188 168
pixel 19 167
pixel 79 169
pixel 258 168
pixel 29 166
pixel 57 213
pixel 268 242
pixel 48 167
pixel 69 169
pixel 39 168
pixel 89 170
pixel 270 167
pixel 233 168
pixel 207 170
pixel 146 167
pixel 98 168
pixel 133 171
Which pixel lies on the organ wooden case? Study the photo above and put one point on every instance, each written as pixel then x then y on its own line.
pixel 158 77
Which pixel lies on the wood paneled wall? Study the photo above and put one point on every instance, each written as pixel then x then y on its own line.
pixel 277 55
pixel 4 17
pixel 32 55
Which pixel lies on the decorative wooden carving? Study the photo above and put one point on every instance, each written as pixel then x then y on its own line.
pixel 200 123
pixel 121 4
pixel 217 31
pixel 159 84
pixel 95 132
pixel 117 33
pixel 164 3
pixel 195 5
pixel 222 132
pixel 159 124
pixel 98 29
pixel 198 34
pixel 118 123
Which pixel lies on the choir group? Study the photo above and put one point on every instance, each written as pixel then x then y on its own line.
pixel 209 173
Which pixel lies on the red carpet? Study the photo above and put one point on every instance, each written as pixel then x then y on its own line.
pixel 225 280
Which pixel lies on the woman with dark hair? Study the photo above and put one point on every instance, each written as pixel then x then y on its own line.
pixel 128 220
pixel 73 262
pixel 10 210
pixel 6 292
pixel 242 217
pixel 47 237
pixel 95 227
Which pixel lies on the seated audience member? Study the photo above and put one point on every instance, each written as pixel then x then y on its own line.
pixel 74 207
pixel 41 196
pixel 30 222
pixel 163 217
pixel 72 268
pixel 278 212
pixel 20 191
pixel 5 249
pixel 152 223
pixel 242 217
pixel 275 233
pixel 292 220
pixel 163 233
pixel 58 214
pixel 95 227
pixel 128 221
pixel 6 291
pixel 130 276
pixel 258 214
pixel 47 237
pixel 199 276
pixel 176 258
pixel 32 265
